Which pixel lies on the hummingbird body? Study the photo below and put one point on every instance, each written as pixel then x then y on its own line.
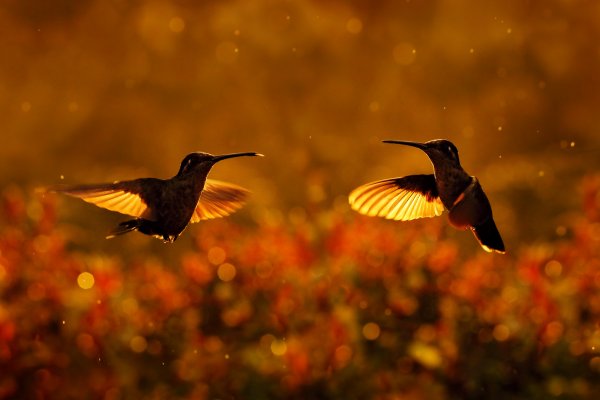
pixel 164 207
pixel 419 196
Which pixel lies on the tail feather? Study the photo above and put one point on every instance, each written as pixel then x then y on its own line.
pixel 488 236
pixel 124 227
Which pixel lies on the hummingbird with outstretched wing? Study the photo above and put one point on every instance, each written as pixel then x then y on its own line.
pixel 421 196
pixel 163 208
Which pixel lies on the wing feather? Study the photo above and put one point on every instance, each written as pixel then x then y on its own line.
pixel 123 197
pixel 219 199
pixel 400 199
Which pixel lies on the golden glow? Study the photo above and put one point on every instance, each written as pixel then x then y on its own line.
pixel 85 280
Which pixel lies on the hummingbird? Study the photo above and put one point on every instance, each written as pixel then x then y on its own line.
pixel 420 196
pixel 163 208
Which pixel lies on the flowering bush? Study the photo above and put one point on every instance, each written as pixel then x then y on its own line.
pixel 331 305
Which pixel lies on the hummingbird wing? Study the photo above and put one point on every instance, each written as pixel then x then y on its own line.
pixel 126 197
pixel 400 199
pixel 219 199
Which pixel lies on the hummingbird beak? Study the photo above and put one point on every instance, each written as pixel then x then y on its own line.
pixel 232 155
pixel 407 143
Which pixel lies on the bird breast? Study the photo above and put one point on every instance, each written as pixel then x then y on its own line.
pixel 471 207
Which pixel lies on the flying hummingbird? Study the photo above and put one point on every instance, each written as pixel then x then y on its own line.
pixel 163 208
pixel 420 196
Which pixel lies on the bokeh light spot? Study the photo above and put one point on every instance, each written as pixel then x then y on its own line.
pixel 501 333
pixel 553 333
pixel 278 347
pixel 25 106
pixel 213 344
pixel 85 280
pixel 216 255
pixel 342 355
pixel 556 386
pixel 371 331
pixel 425 354
pixel 226 272
pixel 176 24
pixel 138 344
pixel 354 26
pixel 86 344
pixel 553 269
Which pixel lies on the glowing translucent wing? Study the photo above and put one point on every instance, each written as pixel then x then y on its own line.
pixel 219 199
pixel 122 197
pixel 400 199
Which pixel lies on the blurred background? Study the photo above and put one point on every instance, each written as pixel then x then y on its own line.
pixel 295 296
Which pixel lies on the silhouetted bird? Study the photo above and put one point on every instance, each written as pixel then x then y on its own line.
pixel 164 207
pixel 419 196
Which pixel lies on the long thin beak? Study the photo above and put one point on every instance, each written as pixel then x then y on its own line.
pixel 406 143
pixel 232 155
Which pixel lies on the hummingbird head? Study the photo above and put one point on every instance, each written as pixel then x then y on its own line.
pixel 438 150
pixel 199 161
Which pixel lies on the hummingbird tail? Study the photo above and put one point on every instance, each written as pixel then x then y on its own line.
pixel 124 227
pixel 488 236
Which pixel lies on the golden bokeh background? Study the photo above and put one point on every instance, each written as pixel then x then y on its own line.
pixel 96 91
